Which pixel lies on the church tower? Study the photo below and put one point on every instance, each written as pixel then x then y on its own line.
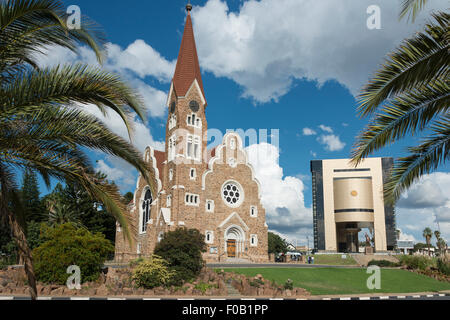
pixel 214 191
pixel 186 131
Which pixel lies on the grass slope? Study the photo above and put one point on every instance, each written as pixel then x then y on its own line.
pixel 326 281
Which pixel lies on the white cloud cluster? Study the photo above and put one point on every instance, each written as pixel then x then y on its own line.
pixel 268 44
pixel 331 142
pixel 309 132
pixel 282 197
pixel 426 204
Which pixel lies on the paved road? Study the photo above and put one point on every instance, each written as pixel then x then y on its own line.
pixel 429 297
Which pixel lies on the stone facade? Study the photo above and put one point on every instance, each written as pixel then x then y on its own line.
pixel 214 191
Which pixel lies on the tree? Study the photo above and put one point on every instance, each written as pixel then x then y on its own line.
pixel 33 209
pixel 44 126
pixel 85 210
pixel 427 234
pixel 407 95
pixel 182 249
pixel 128 197
pixel 276 244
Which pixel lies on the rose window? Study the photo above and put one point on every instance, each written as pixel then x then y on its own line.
pixel 232 194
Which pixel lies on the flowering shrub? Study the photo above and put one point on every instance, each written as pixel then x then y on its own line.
pixel 152 272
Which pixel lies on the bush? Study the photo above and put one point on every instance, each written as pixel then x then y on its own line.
pixel 65 245
pixel 182 249
pixel 443 267
pixel 152 272
pixel 289 284
pixel 382 263
pixel 416 262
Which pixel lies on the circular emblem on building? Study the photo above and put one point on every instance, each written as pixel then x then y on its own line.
pixel 194 106
pixel 232 194
pixel 354 193
pixel 172 107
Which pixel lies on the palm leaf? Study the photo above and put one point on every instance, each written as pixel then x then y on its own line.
pixel 412 8
pixel 418 61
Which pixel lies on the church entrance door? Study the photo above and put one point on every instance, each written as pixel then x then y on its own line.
pixel 231 248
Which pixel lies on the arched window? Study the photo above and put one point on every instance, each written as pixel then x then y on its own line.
pixel 146 207
pixel 193 120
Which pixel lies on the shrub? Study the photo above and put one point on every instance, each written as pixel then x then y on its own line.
pixel 203 287
pixel 182 249
pixel 65 245
pixel 416 262
pixel 443 267
pixel 152 272
pixel 382 263
pixel 289 284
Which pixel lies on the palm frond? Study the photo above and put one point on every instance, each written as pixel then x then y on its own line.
pixel 412 8
pixel 28 26
pixel 432 152
pixel 418 61
pixel 71 85
pixel 405 114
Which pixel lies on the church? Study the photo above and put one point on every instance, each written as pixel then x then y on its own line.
pixel 214 191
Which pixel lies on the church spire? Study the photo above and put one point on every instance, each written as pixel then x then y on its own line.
pixel 188 67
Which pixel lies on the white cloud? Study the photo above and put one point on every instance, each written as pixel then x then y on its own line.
pixel 136 62
pixel 314 154
pixel 282 197
pixel 331 142
pixel 326 128
pixel 142 59
pixel 427 192
pixel 309 132
pixel 426 204
pixel 268 44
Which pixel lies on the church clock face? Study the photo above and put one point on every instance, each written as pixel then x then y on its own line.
pixel 194 106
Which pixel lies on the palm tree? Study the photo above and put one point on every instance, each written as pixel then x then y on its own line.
pixel 427 234
pixel 43 124
pixel 410 93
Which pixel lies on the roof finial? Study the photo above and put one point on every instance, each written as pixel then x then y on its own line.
pixel 189 6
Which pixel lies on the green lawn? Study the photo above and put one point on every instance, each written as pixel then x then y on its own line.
pixel 333 259
pixel 327 281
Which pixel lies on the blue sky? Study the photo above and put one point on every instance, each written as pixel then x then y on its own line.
pixel 292 65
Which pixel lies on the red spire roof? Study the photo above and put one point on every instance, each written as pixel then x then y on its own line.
pixel 188 67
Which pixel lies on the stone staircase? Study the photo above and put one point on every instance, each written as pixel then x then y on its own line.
pixel 232 292
pixel 363 260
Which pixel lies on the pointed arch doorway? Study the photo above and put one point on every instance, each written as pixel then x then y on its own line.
pixel 234 241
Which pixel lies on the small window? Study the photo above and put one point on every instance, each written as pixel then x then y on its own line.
pixel 209 237
pixel 253 211
pixel 169 201
pixel 209 206
pixel 194 121
pixel 170 174
pixel 253 240
pixel 192 174
pixel 192 199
